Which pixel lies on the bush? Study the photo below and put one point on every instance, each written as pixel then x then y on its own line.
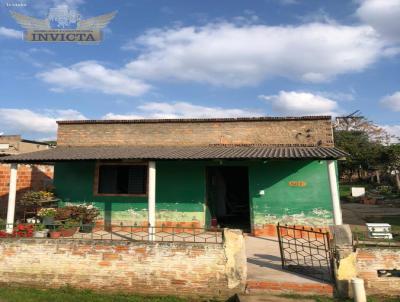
pixel 47 212
pixel 384 189
pixel 34 198
pixel 85 214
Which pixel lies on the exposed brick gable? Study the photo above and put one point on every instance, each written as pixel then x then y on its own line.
pixel 316 132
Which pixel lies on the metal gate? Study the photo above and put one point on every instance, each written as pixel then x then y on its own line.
pixel 306 251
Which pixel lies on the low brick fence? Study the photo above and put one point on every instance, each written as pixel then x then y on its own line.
pixel 371 259
pixel 182 269
pixel 364 260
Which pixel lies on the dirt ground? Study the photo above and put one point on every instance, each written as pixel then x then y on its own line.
pixel 355 214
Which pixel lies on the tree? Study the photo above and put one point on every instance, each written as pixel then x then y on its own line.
pixel 364 154
pixel 363 140
pixel 392 159
pixel 355 122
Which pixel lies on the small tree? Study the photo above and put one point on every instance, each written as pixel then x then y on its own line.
pixel 392 160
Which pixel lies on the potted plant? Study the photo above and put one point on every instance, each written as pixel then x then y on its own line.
pixel 40 231
pixel 69 228
pixel 55 232
pixel 47 215
pixel 23 230
pixel 87 215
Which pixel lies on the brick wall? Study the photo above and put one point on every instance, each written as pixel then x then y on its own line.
pixel 30 177
pixel 182 269
pixel 369 260
pixel 307 132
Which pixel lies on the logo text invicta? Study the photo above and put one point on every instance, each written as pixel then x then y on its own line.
pixel 63 36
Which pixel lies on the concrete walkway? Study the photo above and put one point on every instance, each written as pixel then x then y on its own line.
pixel 264 270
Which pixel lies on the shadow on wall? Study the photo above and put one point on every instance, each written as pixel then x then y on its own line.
pixel 30 177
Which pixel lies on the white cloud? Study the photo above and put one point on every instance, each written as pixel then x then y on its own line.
pixel 383 15
pixel 394 131
pixel 182 110
pixel 116 116
pixel 43 6
pixel 28 122
pixel 392 101
pixel 288 2
pixel 238 55
pixel 92 76
pixel 10 33
pixel 301 103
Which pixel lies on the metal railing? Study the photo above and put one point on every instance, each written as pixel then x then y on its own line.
pixel 112 232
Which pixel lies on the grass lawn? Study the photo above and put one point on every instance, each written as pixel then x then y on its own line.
pixel 394 221
pixel 328 299
pixel 19 294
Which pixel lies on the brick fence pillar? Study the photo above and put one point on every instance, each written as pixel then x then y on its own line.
pixel 345 259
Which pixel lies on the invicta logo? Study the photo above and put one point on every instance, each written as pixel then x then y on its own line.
pixel 63 25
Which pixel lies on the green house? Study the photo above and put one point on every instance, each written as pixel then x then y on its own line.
pixel 247 173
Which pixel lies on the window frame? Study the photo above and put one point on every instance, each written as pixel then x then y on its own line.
pixel 97 176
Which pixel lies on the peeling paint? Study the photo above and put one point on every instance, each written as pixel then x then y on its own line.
pixel 315 217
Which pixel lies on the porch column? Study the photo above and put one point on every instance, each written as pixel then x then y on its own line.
pixel 11 198
pixel 152 199
pixel 333 185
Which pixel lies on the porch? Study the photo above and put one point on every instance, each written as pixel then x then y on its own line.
pixel 164 185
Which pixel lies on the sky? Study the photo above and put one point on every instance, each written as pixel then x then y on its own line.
pixel 187 58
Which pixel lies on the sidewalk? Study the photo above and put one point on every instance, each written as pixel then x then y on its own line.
pixel 265 273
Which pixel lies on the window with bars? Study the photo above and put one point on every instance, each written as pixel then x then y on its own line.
pixel 122 179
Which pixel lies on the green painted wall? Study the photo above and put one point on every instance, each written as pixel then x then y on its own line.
pixel 181 192
pixel 308 205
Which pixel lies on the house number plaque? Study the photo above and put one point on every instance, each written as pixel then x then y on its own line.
pixel 297 184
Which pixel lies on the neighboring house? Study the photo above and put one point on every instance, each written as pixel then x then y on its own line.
pixel 14 144
pixel 248 173
pixel 30 177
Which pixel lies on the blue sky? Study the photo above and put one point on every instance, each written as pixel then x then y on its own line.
pixel 167 59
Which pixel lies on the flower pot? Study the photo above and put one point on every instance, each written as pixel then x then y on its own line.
pixel 68 232
pixel 55 234
pixel 86 228
pixel 40 234
pixel 48 220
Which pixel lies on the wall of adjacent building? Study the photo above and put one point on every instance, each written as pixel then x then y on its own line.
pixel 310 132
pixel 30 177
pixel 181 193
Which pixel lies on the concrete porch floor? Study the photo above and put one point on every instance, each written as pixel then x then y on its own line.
pixel 265 273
